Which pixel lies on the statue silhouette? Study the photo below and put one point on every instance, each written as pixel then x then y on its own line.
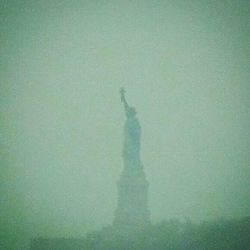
pixel 132 136
pixel 132 214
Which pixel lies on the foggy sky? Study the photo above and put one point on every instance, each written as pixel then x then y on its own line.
pixel 185 67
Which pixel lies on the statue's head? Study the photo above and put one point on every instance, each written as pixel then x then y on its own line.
pixel 131 111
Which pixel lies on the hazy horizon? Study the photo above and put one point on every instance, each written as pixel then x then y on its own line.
pixel 185 68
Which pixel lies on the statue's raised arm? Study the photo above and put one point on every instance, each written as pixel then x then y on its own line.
pixel 123 99
pixel 130 111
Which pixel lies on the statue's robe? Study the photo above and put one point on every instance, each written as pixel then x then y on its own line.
pixel 131 147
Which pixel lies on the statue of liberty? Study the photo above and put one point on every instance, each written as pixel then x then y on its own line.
pixel 132 214
pixel 132 136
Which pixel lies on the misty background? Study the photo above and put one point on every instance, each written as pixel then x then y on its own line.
pixel 185 67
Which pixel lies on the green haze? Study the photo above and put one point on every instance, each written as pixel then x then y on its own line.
pixel 185 66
